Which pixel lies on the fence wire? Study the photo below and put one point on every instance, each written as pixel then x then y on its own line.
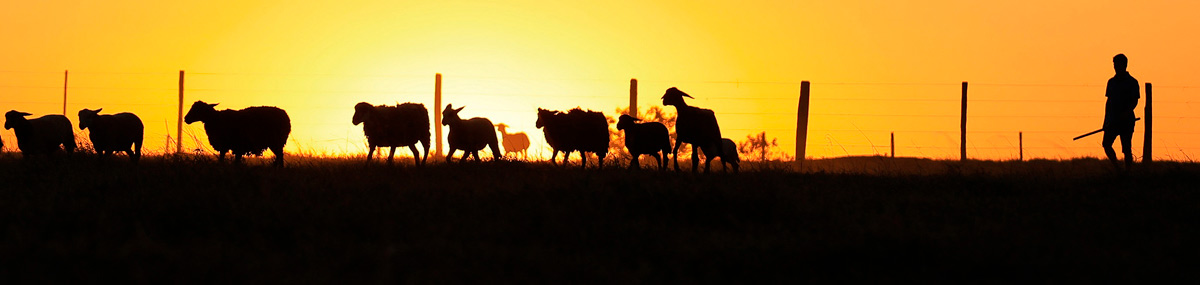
pixel 1005 121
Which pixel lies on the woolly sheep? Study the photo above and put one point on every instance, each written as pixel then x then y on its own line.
pixel 43 135
pixel 393 126
pixel 247 131
pixel 575 130
pixel 469 135
pixel 728 154
pixel 514 142
pixel 645 138
pixel 113 133
pixel 695 126
pixel 555 128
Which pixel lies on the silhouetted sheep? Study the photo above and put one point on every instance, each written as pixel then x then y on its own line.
pixel 394 126
pixel 645 138
pixel 514 142
pixel 556 129
pixel 728 154
pixel 43 135
pixel 247 131
pixel 695 126
pixel 113 133
pixel 575 130
pixel 469 135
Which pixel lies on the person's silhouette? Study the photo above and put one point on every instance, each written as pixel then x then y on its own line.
pixel 1123 95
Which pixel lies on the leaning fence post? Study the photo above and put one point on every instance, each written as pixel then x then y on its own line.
pixel 66 75
pixel 1020 146
pixel 802 121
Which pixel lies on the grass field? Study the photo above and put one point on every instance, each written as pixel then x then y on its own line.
pixel 192 220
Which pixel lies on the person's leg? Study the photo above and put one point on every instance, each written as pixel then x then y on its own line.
pixel 1109 138
pixel 1127 148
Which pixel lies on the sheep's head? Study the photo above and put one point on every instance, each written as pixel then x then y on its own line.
pixel 14 119
pixel 501 126
pixel 86 117
pixel 674 97
pixel 200 111
pixel 362 112
pixel 450 114
pixel 626 121
pixel 544 116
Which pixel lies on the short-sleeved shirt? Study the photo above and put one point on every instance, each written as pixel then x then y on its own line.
pixel 1123 95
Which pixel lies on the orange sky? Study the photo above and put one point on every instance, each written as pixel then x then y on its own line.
pixel 1034 66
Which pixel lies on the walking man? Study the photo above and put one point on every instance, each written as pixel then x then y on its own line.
pixel 1123 95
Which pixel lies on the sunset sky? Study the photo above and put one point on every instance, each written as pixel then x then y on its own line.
pixel 1037 67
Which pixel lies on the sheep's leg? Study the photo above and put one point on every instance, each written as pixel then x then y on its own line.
pixel 425 144
pixel 554 156
pixel 659 161
pixel 675 154
pixel 495 151
pixel 391 154
pixel 696 160
pixel 137 149
pixel 416 155
pixel 583 159
pixel 450 155
pixel 633 163
pixel 601 165
pixel 221 156
pixel 278 151
pixel 370 151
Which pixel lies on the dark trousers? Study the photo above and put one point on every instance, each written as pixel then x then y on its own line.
pixel 1126 146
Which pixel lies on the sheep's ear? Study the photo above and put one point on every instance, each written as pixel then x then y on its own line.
pixel 23 114
pixel 213 104
pixel 636 119
pixel 449 107
pixel 460 109
pixel 98 110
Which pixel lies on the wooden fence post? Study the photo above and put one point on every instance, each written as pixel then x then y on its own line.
pixel 1021 146
pixel 893 144
pixel 437 113
pixel 66 75
pixel 802 121
pixel 1147 145
pixel 962 149
pixel 179 120
pixel 633 108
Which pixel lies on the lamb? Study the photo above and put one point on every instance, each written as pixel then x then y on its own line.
pixel 247 131
pixel 113 133
pixel 469 135
pixel 515 142
pixel 575 130
pixel 393 126
pixel 645 138
pixel 39 136
pixel 728 154
pixel 695 126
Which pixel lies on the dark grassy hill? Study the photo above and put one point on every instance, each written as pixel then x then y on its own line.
pixel 192 220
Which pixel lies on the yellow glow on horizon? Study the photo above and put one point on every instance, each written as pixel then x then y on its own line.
pixel 876 67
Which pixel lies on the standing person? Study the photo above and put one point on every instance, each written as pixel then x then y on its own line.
pixel 1123 95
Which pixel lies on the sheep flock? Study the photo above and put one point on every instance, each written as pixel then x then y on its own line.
pixel 253 130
